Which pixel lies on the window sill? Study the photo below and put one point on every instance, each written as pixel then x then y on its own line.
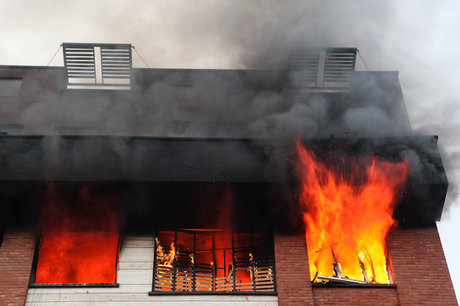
pixel 212 293
pixel 69 285
pixel 344 285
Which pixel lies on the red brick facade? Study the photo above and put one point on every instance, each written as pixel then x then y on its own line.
pixel 16 257
pixel 292 271
pixel 420 267
pixel 356 296
pixel 420 270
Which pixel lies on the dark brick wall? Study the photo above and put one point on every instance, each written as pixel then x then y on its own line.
pixel 16 257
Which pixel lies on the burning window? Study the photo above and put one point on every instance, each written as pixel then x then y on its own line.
pixel 348 213
pixel 77 258
pixel 200 261
pixel 80 240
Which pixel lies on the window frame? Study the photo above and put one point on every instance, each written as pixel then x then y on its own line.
pixel 268 240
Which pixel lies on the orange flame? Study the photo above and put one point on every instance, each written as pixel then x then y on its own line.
pixel 80 236
pixel 77 257
pixel 164 257
pixel 347 218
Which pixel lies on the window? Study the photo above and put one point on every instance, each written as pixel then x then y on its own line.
pixel 79 238
pixel 77 259
pixel 348 213
pixel 204 261
pixel 10 87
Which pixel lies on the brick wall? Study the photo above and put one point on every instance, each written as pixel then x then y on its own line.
pixel 16 256
pixel 420 267
pixel 292 272
pixel 356 296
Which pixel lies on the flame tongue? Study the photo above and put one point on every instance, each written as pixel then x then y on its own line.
pixel 347 219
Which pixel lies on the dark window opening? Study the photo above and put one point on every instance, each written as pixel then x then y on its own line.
pixel 210 262
pixel 10 87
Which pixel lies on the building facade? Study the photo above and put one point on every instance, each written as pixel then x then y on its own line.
pixel 130 186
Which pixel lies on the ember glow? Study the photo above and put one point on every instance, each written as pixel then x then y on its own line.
pixel 348 214
pixel 80 238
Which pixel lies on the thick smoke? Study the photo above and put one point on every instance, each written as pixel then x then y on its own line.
pixel 256 35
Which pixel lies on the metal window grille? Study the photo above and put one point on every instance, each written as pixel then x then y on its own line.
pixel 213 262
pixel 328 70
pixel 97 66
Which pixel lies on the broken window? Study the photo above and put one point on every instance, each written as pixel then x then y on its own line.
pixel 213 261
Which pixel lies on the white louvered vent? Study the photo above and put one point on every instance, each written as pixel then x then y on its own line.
pixel 328 70
pixel 97 66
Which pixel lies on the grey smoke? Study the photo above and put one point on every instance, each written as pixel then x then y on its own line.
pixel 410 37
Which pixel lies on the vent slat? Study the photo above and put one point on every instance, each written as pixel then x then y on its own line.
pixel 84 62
pixel 114 65
pixel 323 69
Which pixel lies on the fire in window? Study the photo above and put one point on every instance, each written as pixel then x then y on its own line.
pixel 348 213
pixel 79 241
pixel 197 261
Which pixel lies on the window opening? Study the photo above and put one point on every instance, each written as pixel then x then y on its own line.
pixel 70 258
pixel 213 262
pixel 10 87
pixel 79 241
pixel 348 213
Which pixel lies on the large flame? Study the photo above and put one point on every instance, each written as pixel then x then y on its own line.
pixel 78 257
pixel 80 236
pixel 348 214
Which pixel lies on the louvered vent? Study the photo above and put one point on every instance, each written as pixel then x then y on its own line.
pixel 328 70
pixel 98 66
pixel 304 69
